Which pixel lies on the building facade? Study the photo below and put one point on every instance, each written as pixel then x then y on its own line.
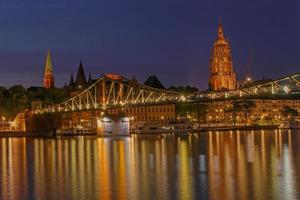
pixel 140 116
pixel 147 113
pixel 264 110
pixel 48 74
pixel 222 75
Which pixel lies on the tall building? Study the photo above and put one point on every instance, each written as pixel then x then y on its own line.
pixel 48 74
pixel 222 75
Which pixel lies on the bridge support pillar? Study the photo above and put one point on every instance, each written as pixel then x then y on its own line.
pixel 113 125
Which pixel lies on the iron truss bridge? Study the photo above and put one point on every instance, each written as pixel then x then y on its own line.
pixel 286 85
pixel 111 91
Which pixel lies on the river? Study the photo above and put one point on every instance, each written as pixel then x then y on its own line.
pixel 211 165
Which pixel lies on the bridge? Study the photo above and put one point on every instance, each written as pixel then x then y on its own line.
pixel 111 91
pixel 289 84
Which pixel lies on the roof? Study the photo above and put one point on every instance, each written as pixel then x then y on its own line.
pixel 71 83
pixel 114 76
pixel 80 78
pixel 153 81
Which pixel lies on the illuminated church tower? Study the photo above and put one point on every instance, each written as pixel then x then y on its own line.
pixel 48 76
pixel 222 75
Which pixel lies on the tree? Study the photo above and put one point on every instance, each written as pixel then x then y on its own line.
pixel 247 106
pixel 3 99
pixel 195 110
pixel 199 111
pixel 234 109
pixel 47 96
pixel 184 89
pixel 244 106
pixel 17 98
pixel 290 112
pixel 182 109
pixel 16 101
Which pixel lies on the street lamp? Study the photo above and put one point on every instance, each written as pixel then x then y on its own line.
pixel 3 122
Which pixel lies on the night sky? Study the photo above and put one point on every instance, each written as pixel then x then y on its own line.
pixel 169 38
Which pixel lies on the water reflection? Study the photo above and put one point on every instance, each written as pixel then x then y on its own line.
pixel 213 165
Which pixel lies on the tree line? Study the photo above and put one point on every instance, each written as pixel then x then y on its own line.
pixel 17 98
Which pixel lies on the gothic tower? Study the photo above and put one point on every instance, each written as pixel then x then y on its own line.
pixel 48 75
pixel 222 75
pixel 80 81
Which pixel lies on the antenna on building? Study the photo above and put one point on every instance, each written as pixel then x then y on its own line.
pixel 220 20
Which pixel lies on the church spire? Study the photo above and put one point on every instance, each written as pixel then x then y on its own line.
pixel 80 78
pixel 220 29
pixel 48 74
pixel 48 66
pixel 71 83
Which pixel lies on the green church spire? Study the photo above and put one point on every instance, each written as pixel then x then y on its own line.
pixel 48 76
pixel 48 66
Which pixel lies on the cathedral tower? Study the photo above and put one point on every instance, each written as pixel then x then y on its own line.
pixel 222 75
pixel 48 75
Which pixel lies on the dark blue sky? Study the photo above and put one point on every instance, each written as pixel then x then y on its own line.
pixel 169 38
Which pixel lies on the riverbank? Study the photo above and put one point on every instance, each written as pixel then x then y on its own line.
pixel 208 128
pixel 25 134
pixel 232 128
pixel 13 134
pixel 157 131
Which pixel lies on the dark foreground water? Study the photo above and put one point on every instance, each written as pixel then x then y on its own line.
pixel 216 165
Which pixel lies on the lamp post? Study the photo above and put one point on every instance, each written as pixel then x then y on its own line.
pixel 3 122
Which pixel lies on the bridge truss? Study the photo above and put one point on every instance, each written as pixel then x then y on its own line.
pixel 112 90
pixel 286 85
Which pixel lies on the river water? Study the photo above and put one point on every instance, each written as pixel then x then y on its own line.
pixel 212 165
